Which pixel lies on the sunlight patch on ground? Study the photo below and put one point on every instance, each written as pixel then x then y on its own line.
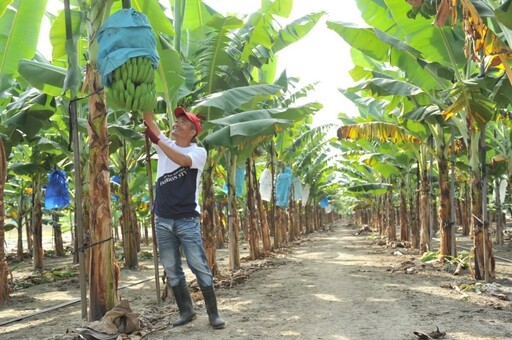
pixel 235 306
pixel 312 256
pixel 273 285
pixel 52 296
pixel 336 258
pixel 380 300
pixel 327 297
pixel 31 322
pixel 290 333
pixel 467 336
pixel 430 290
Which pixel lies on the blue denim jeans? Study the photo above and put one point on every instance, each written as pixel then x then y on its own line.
pixel 184 232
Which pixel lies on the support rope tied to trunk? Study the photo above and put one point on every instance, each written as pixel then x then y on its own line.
pixel 82 249
pixel 70 118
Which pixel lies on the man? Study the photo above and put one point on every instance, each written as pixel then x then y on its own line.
pixel 180 164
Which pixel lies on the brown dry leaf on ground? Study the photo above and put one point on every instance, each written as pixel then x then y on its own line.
pixel 329 285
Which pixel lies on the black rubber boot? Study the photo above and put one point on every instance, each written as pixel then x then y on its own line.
pixel 185 305
pixel 211 307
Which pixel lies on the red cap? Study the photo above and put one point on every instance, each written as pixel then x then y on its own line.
pixel 179 111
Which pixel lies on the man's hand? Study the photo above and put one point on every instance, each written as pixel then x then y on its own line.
pixel 151 135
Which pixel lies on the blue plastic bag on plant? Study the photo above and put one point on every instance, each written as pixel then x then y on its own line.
pixel 57 191
pixel 115 187
pixel 324 202
pixel 283 184
pixel 239 183
pixel 125 34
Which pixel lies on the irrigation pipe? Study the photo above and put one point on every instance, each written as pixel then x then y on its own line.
pixel 65 304
pixel 469 249
pixel 498 257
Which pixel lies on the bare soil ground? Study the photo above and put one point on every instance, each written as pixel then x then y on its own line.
pixel 331 284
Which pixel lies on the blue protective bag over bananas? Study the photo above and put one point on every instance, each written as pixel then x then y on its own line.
pixel 127 58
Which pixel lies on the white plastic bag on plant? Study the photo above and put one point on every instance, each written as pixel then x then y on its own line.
pixel 305 194
pixel 266 185
pixel 297 189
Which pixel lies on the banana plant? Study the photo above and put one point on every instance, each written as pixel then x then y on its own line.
pixel 102 294
pixel 19 29
pixel 18 208
pixel 444 64
pixel 4 267
pixel 243 132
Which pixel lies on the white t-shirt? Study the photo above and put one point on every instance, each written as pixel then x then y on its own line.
pixel 177 187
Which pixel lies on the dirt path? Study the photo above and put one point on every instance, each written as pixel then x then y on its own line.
pixel 330 285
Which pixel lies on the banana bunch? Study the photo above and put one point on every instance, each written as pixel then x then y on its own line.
pixel 133 85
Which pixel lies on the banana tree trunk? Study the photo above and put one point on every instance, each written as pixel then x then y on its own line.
pixel 404 222
pixel 482 245
pixel 19 222
pixel 4 267
pixel 137 230
pixel 102 282
pixel 102 294
pixel 466 206
pixel 253 239
pixel 280 234
pixel 278 221
pixel 234 248
pixel 484 264
pixel 382 216
pixel 424 211
pixel 307 219
pixel 265 231
pixel 391 228
pixel 220 229
pixel 292 236
pixel 414 204
pixel 301 218
pixel 445 209
pixel 273 207
pixel 500 220
pixel 295 216
pixel 57 236
pixel 28 232
pixel 37 225
pixel 208 218
pixel 127 226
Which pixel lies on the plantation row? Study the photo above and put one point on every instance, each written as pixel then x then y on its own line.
pixel 430 150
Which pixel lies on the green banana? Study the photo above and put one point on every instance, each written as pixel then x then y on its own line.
pixel 130 87
pixel 128 102
pixel 135 104
pixel 119 85
pixel 124 73
pixel 117 73
pixel 122 99
pixel 147 101
pixel 141 66
pixel 137 91
pixel 129 67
